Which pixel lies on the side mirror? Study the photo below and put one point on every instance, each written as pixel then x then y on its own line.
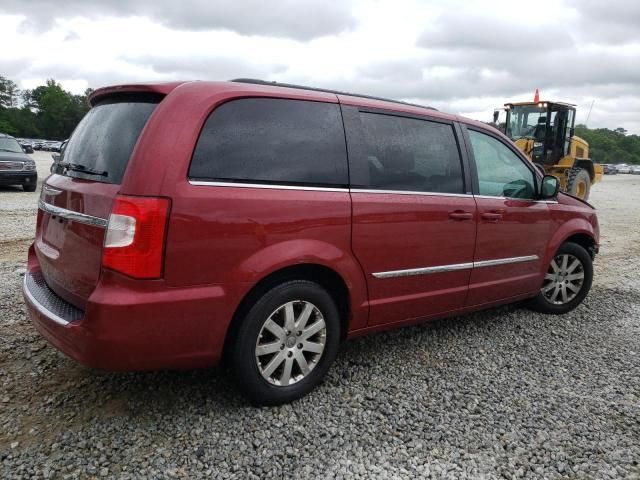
pixel 496 115
pixel 549 187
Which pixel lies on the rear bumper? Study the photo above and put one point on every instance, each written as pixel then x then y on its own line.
pixel 19 178
pixel 123 329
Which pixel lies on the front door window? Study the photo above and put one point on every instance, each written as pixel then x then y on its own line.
pixel 501 173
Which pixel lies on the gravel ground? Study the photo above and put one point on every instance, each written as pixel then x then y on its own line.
pixel 500 393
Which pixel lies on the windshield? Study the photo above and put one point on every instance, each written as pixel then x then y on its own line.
pixel 101 144
pixel 10 145
pixel 527 121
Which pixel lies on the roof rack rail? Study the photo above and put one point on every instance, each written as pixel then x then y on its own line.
pixel 336 92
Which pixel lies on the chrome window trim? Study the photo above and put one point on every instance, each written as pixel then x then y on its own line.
pixel 410 192
pixel 269 186
pixel 44 311
pixel 71 215
pixel 514 198
pixel 453 267
pixel 278 186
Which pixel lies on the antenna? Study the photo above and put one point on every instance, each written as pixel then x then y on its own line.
pixel 586 123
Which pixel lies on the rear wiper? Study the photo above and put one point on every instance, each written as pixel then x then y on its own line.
pixel 76 167
pixel 7 150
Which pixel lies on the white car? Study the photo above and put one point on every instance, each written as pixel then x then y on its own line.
pixel 623 168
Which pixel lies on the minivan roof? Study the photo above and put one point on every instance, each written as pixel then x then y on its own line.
pixel 326 90
pixel 248 87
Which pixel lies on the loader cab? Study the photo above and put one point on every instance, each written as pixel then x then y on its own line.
pixel 546 126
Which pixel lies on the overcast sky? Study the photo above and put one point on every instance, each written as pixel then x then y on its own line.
pixel 459 56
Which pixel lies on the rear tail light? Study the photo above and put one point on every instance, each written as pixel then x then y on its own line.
pixel 134 243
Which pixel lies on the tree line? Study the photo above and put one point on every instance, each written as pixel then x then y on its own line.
pixel 611 146
pixel 47 111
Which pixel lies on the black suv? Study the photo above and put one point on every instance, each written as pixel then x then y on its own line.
pixel 16 168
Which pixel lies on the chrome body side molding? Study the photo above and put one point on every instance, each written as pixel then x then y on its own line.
pixel 504 261
pixel 454 266
pixel 424 271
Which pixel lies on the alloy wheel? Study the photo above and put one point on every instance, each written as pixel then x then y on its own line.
pixel 290 343
pixel 564 279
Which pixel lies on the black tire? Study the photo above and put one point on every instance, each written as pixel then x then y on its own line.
pixel 29 188
pixel 541 303
pixel 243 353
pixel 578 176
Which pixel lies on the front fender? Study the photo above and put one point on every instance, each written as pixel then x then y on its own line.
pixel 565 230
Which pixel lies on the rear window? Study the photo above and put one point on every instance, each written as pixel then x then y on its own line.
pixel 265 140
pixel 101 144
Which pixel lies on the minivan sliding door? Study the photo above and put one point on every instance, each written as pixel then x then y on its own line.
pixel 414 224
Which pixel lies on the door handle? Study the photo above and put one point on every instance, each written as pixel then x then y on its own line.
pixel 492 216
pixel 460 215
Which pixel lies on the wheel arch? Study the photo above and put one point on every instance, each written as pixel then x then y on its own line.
pixel 573 232
pixel 326 277
pixel 585 240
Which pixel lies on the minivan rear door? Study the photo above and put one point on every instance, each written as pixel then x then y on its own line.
pixel 76 201
pixel 414 224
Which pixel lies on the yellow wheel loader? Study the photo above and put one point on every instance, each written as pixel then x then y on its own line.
pixel 544 132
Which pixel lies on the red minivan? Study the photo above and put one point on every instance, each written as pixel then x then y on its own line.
pixel 266 223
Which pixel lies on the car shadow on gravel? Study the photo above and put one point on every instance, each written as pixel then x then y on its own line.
pixel 215 389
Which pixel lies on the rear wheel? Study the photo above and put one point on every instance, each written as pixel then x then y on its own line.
pixel 579 183
pixel 286 343
pixel 567 281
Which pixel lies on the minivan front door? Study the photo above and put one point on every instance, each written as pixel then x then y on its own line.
pixel 513 228
pixel 414 226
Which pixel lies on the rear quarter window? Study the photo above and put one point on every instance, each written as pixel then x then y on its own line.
pixel 103 141
pixel 265 140
pixel 409 154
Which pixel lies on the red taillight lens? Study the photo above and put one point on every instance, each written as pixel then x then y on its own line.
pixel 134 243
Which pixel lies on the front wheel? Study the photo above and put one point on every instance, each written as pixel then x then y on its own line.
pixel 286 343
pixel 567 281
pixel 30 187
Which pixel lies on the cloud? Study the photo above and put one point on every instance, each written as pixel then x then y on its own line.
pixel 209 66
pixel 473 33
pixel 297 19
pixel 614 22
pixel 459 56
